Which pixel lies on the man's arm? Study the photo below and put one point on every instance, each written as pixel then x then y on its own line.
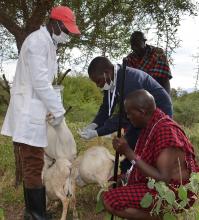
pixel 111 125
pixel 102 114
pixel 161 70
pixel 165 163
pixel 165 83
pixel 38 66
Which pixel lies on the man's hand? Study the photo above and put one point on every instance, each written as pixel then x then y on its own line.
pixel 50 117
pixel 121 146
pixel 88 134
pixel 91 126
pixel 54 121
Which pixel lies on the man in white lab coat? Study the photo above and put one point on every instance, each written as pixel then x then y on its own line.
pixel 33 98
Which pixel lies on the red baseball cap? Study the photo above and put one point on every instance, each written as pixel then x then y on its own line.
pixel 66 15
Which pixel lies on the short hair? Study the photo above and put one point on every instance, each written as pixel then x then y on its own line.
pixel 137 35
pixel 98 65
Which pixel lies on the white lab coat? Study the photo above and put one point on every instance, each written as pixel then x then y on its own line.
pixel 32 94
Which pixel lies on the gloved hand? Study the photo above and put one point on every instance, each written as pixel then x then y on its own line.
pixel 54 121
pixel 91 126
pixel 88 134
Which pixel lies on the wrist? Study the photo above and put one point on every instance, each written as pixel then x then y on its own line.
pixel 136 158
pixel 128 152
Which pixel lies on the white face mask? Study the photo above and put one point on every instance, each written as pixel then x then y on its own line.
pixel 62 38
pixel 106 85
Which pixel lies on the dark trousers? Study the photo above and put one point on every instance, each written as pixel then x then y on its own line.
pixel 32 161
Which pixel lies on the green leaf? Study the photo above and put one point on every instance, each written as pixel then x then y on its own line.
pixel 194 176
pixel 157 208
pixel 161 188
pixel 107 216
pixel 1 214
pixel 104 188
pixel 99 194
pixel 182 193
pixel 146 200
pixel 183 203
pixel 151 183
pixel 169 216
pixel 170 197
pixel 99 206
pixel 197 215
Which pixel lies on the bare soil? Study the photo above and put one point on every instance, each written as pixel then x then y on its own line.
pixel 15 212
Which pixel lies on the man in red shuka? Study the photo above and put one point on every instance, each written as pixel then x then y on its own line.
pixel 161 146
pixel 149 59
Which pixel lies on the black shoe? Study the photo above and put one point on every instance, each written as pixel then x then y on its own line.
pixel 35 200
pixel 27 215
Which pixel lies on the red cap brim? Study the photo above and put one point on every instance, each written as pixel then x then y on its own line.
pixel 72 28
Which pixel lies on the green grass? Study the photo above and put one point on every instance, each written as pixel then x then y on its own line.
pixel 84 98
pixel 86 197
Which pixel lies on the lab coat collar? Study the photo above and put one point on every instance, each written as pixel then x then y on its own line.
pixel 47 34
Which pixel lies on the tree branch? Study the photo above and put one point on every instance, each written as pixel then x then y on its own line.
pixel 9 23
pixel 38 15
pixel 24 9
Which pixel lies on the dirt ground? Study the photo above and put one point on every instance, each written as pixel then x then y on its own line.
pixel 15 212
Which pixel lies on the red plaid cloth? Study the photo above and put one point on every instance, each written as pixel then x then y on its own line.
pixel 154 62
pixel 161 132
pixel 127 196
pixel 166 133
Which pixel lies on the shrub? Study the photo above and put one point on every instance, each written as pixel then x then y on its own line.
pixel 84 97
pixel 186 109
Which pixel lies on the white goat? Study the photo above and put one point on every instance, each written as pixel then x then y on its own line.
pixel 57 182
pixel 59 155
pixel 94 166
pixel 61 175
pixel 61 143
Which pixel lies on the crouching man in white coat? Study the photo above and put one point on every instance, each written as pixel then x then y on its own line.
pixel 32 98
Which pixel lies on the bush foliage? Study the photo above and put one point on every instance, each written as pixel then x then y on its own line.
pixel 186 109
pixel 83 96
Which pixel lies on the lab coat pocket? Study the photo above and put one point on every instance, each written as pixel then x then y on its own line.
pixel 38 112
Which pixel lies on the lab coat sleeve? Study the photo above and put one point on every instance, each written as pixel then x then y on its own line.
pixel 37 56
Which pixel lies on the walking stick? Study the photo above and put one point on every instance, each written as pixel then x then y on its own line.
pixel 121 110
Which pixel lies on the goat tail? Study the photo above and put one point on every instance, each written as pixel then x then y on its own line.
pixel 68 189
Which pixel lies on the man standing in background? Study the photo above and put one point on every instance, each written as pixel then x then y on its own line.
pixel 32 99
pixel 149 59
